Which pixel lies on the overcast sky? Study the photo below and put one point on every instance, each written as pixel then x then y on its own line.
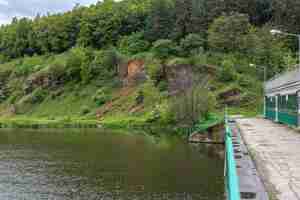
pixel 30 8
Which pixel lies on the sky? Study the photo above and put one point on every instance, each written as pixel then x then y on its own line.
pixel 30 8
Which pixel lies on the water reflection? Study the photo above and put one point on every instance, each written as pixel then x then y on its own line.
pixel 89 164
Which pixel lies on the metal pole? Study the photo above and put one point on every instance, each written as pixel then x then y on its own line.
pixel 264 88
pixel 299 50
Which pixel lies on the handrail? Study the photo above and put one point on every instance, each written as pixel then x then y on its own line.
pixel 232 182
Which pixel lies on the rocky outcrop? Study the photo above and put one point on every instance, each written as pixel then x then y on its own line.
pixel 179 77
pixel 43 79
pixel 230 97
pixel 133 73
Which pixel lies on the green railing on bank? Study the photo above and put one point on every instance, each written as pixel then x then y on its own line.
pixel 232 182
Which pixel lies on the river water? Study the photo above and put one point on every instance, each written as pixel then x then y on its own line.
pixel 91 164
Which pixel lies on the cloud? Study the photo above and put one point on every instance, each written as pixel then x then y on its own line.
pixel 30 8
pixel 3 2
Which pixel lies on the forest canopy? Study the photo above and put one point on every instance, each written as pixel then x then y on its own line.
pixel 107 21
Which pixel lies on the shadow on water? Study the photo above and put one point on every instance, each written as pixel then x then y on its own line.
pixel 91 164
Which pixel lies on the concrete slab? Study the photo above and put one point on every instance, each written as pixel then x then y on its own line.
pixel 276 151
pixel 251 186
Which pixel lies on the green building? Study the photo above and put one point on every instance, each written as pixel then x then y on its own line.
pixel 282 98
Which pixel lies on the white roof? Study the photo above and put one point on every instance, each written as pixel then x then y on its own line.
pixel 286 83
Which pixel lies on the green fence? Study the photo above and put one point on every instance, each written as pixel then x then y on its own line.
pixel 288 109
pixel 271 108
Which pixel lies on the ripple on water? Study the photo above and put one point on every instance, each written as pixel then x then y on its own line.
pixel 62 165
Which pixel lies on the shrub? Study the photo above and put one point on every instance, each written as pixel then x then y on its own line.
pixel 164 48
pixel 28 65
pixel 163 86
pixel 227 72
pixel 78 64
pixel 192 44
pixel 133 44
pixel 193 105
pixel 105 63
pixel 3 59
pixel 86 72
pixel 151 93
pixel 140 98
pixel 84 110
pixel 56 71
pixel 101 98
pixel 74 62
pixel 154 69
pixel 37 96
pixel 227 32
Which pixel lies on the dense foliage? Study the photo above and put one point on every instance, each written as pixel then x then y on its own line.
pixel 133 24
pixel 217 38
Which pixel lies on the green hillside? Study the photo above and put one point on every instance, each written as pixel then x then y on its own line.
pixel 161 63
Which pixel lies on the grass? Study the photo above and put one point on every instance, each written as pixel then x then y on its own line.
pixel 213 120
pixel 252 111
pixel 26 122
pixel 70 103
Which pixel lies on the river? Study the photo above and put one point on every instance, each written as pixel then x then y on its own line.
pixel 65 164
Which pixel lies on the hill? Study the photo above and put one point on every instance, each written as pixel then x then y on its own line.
pixel 164 63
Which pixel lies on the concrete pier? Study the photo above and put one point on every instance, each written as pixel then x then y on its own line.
pixel 250 183
pixel 276 151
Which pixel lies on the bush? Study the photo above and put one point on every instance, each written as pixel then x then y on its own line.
pixel 84 110
pixel 101 98
pixel 163 86
pixel 151 94
pixel 105 63
pixel 226 33
pixel 192 44
pixel 192 106
pixel 28 65
pixel 37 96
pixel 133 44
pixel 78 64
pixel 154 69
pixel 164 48
pixel 227 72
pixel 3 59
pixel 56 71
pixel 74 62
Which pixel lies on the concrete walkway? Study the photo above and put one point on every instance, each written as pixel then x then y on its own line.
pixel 276 151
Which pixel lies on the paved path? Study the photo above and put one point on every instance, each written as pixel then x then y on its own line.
pixel 276 150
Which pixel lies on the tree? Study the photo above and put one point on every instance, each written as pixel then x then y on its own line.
pixel 287 17
pixel 194 104
pixel 133 44
pixel 226 32
pixel 160 21
pixel 164 48
pixel 191 44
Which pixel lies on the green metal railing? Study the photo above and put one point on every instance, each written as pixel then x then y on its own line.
pixel 232 182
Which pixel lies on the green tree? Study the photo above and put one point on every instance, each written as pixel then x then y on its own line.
pixel 133 44
pixel 193 105
pixel 183 15
pixel 192 44
pixel 226 32
pixel 164 48
pixel 160 21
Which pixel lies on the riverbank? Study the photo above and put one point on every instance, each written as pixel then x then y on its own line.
pixel 113 123
pixel 24 122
